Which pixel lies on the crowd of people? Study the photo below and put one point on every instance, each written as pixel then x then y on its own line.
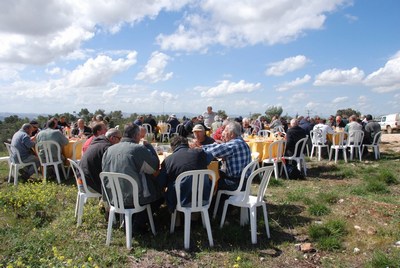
pixel 199 140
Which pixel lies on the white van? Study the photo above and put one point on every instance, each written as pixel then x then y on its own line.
pixel 390 122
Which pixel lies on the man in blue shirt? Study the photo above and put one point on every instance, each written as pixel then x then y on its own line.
pixel 234 151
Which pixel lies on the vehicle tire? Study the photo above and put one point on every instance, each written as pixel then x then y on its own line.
pixel 389 130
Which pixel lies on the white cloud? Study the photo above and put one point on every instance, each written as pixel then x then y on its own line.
pixel 154 69
pixel 297 82
pixel 387 78
pixel 339 77
pixel 340 99
pixel 10 72
pixel 227 88
pixel 239 23
pixel 107 94
pixel 99 71
pixel 38 32
pixel 287 65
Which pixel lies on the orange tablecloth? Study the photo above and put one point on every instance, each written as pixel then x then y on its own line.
pixel 67 150
pixel 329 137
pixel 262 147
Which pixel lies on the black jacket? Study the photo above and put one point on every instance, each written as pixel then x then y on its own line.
pixel 293 135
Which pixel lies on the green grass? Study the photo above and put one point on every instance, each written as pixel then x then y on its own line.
pixel 369 197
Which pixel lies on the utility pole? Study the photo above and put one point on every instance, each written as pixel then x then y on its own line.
pixel 309 112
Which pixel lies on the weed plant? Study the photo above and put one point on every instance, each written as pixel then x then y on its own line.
pixel 329 236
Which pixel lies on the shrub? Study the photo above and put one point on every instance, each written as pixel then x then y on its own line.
pixel 318 210
pixel 377 187
pixel 380 259
pixel 387 176
pixel 328 236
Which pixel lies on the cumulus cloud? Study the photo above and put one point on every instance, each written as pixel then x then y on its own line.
pixel 154 70
pixel 9 72
pixel 387 78
pixel 297 82
pixel 239 23
pixel 339 77
pixel 287 65
pixel 100 70
pixel 107 94
pixel 340 99
pixel 38 32
pixel 227 87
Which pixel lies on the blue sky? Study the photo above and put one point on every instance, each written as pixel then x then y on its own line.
pixel 179 56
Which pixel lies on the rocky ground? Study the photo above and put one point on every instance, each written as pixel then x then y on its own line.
pixel 390 142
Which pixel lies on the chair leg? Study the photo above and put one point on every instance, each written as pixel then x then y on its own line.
pixel 173 220
pixel 244 216
pixel 336 155
pixel 319 153
pixel 253 224
pixel 187 230
pixel 206 220
pixel 224 214
pixel 330 154
pixel 276 170
pixel 264 206
pixel 82 200
pixel 57 174
pixel 312 151
pixel 344 154
pixel 150 215
pixel 216 204
pixel 77 205
pixel 128 230
pixel 109 227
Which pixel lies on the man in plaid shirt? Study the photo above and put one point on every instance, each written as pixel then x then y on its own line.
pixel 234 152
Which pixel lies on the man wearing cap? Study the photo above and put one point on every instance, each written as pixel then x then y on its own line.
pixel 200 136
pixel 174 122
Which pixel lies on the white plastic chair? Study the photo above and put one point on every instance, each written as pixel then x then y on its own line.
pixel 265 133
pixel 15 167
pixel 165 132
pixel 374 145
pixel 149 131
pixel 111 183
pixel 278 147
pixel 178 127
pixel 83 191
pixel 197 203
pixel 319 142
pixel 338 143
pixel 49 157
pixel 245 200
pixel 79 144
pixel 354 142
pixel 245 173
pixel 298 154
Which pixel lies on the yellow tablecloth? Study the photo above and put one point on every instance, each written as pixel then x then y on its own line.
pixel 67 150
pixel 329 137
pixel 262 147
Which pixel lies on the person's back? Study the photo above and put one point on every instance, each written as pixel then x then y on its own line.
pixel 293 135
pixel 322 130
pixel 371 129
pixel 51 134
pixel 91 162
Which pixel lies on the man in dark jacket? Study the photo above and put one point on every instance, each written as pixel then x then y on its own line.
pixel 182 159
pixel 293 135
pixel 91 159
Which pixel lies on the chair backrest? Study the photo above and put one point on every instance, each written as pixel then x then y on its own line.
pixel 317 137
pixel 198 178
pixel 278 147
pixel 248 169
pixel 113 183
pixel 168 128
pixel 255 155
pixel 48 151
pixel 338 139
pixel 148 127
pixel 265 174
pixel 281 129
pixel 265 133
pixel 178 128
pixel 13 153
pixel 356 137
pixel 299 147
pixel 79 176
pixel 377 138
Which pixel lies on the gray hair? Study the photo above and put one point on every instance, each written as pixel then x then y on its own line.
pixel 112 132
pixel 294 122
pixel 25 127
pixel 235 128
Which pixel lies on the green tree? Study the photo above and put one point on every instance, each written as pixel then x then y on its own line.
pixel 273 111
pixel 222 114
pixel 85 114
pixel 347 112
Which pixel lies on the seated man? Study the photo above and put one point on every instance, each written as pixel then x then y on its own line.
pixel 138 161
pixel 51 133
pixel 371 129
pixel 200 137
pixel 91 160
pixel 246 126
pixel 174 122
pixel 323 130
pixel 339 122
pixel 352 126
pixel 98 129
pixel 234 151
pixel 24 143
pixel 293 135
pixel 152 122
pixel 182 159
pixel 81 130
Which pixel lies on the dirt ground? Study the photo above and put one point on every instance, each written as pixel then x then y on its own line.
pixel 390 142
